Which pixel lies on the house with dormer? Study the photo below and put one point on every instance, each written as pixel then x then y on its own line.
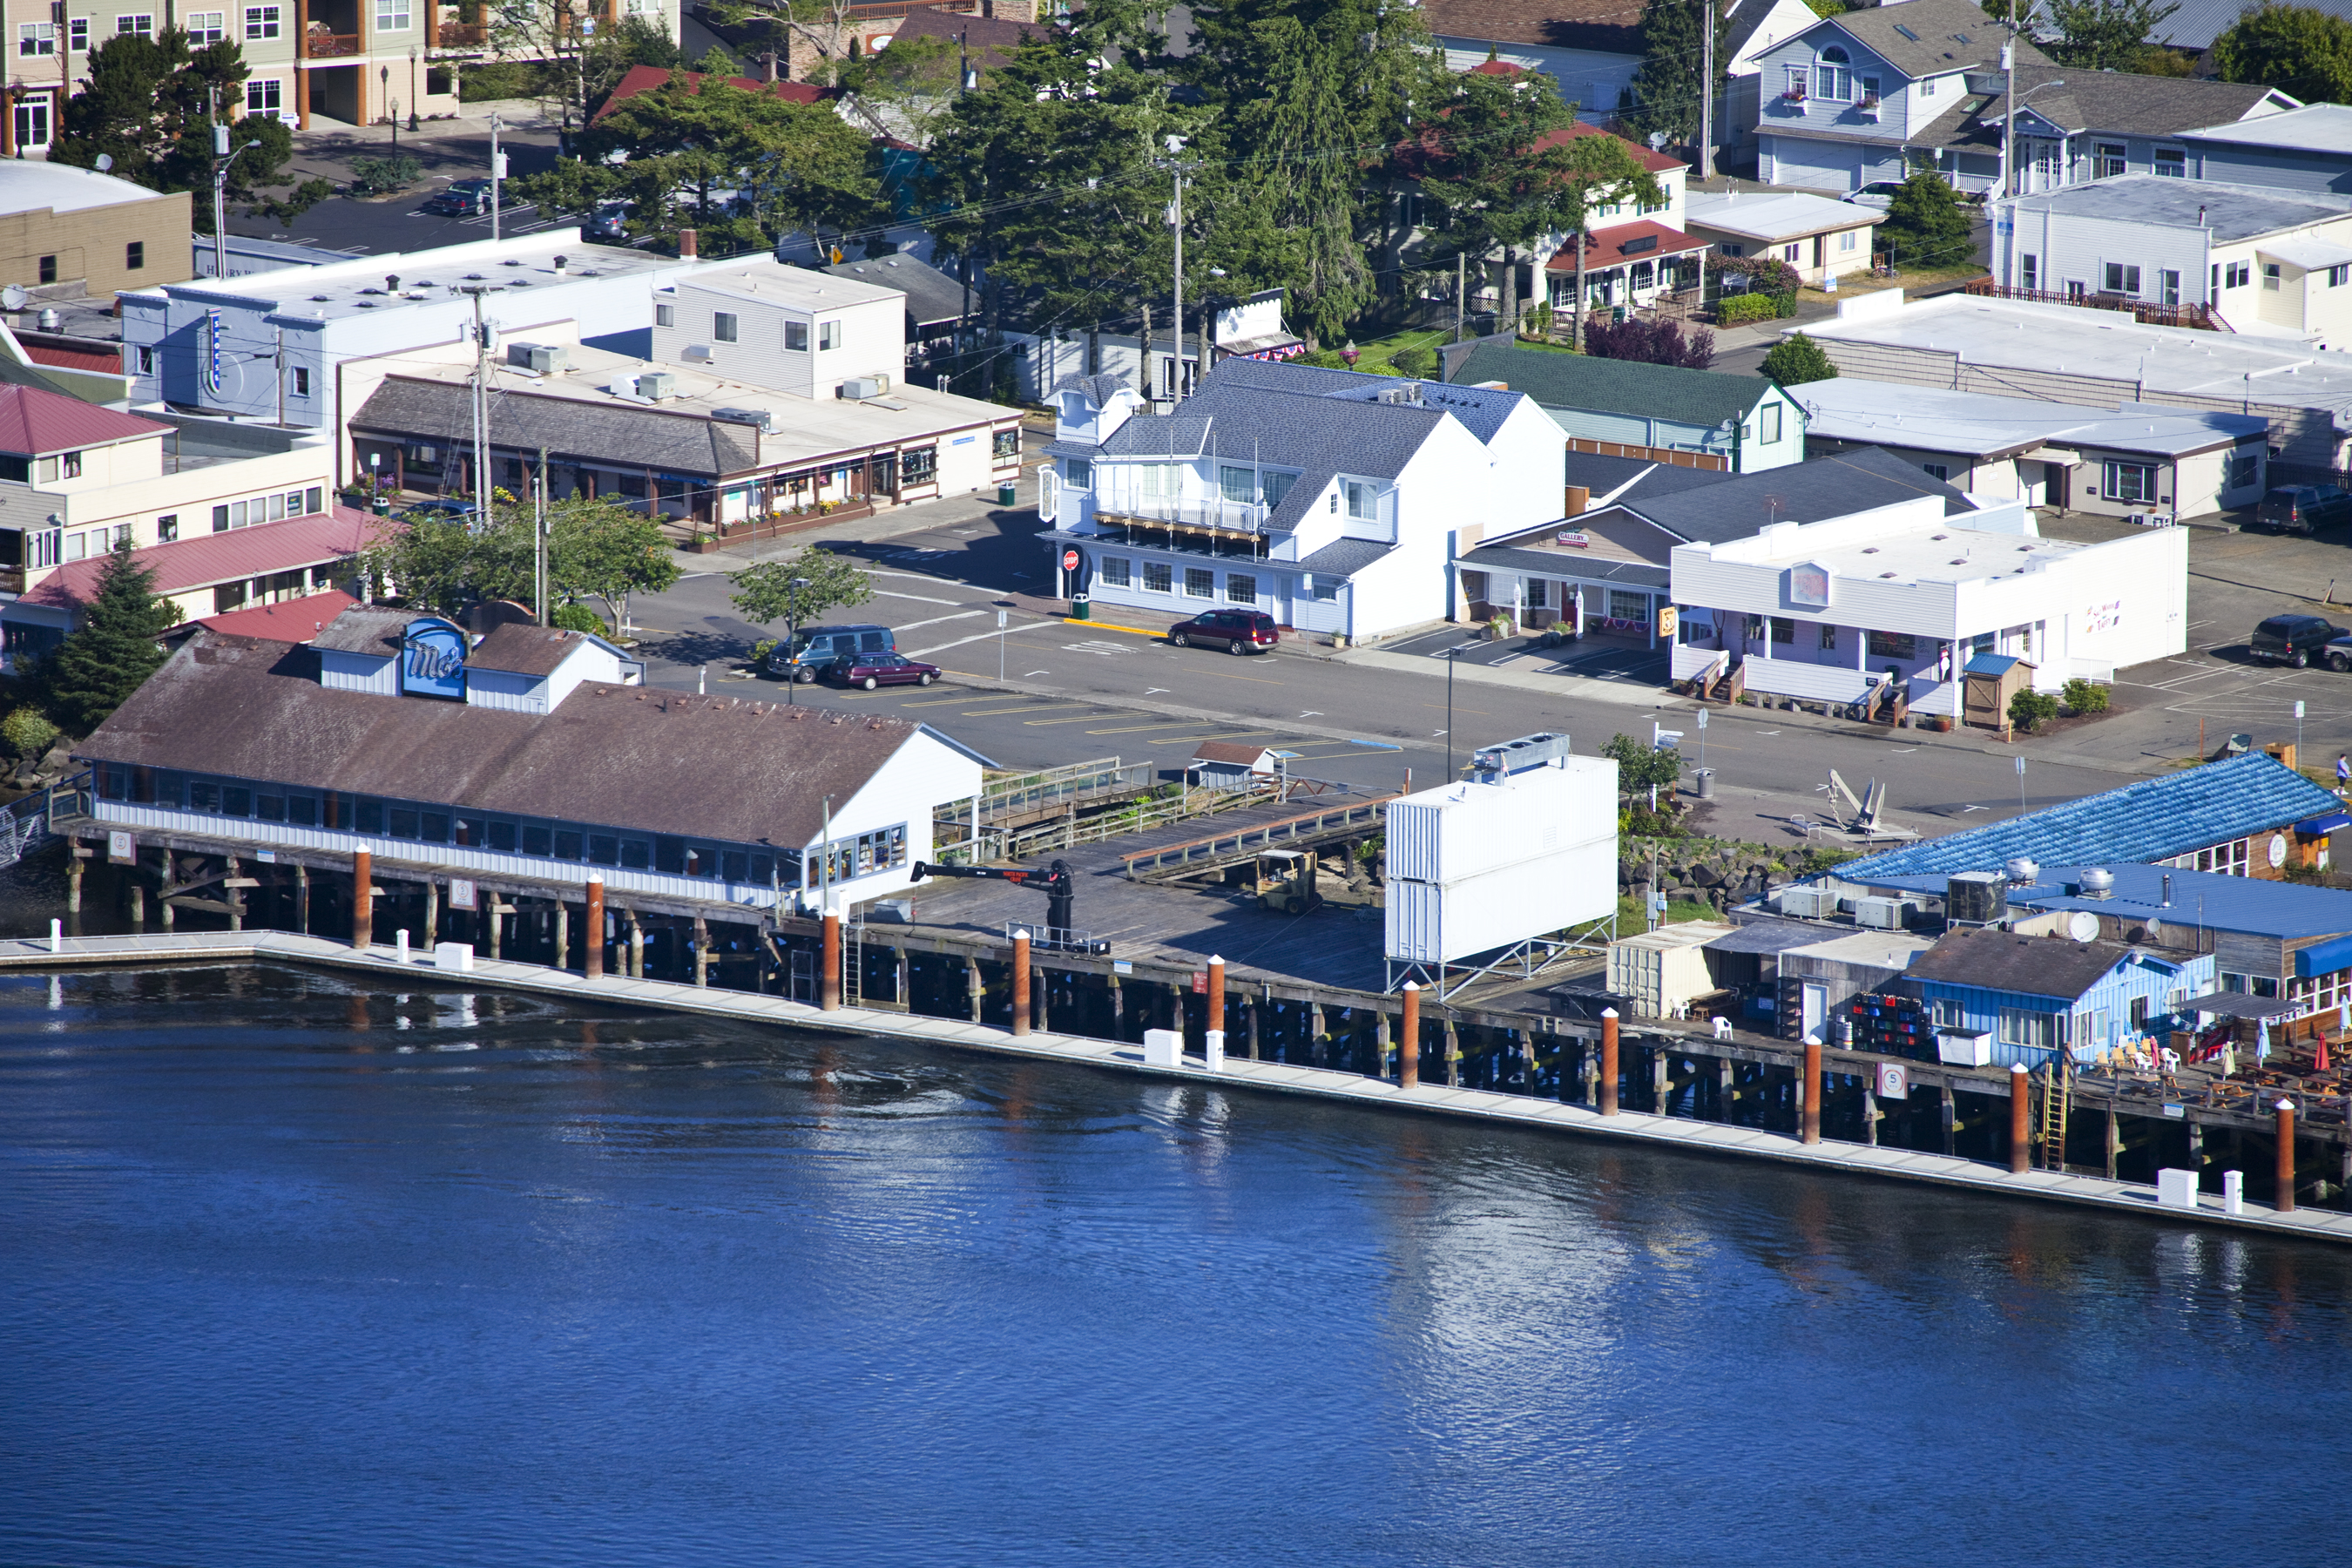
pixel 1333 501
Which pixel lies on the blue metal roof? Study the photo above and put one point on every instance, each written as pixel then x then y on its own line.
pixel 2148 819
pixel 1990 664
pixel 2289 910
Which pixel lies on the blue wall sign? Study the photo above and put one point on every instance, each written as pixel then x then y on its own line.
pixel 433 660
pixel 213 356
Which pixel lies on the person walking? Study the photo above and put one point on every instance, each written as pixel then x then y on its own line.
pixel 2343 774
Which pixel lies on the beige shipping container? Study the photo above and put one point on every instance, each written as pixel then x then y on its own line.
pixel 1660 972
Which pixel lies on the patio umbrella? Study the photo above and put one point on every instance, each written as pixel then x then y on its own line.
pixel 2261 1039
pixel 2319 1058
pixel 2344 1017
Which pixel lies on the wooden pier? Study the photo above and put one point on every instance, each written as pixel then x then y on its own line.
pixel 1587 1117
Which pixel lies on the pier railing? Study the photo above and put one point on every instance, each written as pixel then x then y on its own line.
pixel 1200 854
pixel 25 824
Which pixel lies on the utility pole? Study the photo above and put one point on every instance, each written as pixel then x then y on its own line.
pixel 497 172
pixel 538 542
pixel 1176 324
pixel 279 359
pixel 1461 291
pixel 1577 327
pixel 221 158
pixel 481 413
pixel 2008 115
pixel 1706 92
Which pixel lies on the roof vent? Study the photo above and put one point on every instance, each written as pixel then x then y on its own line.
pixel 473 278
pixel 2023 872
pixel 763 418
pixel 510 262
pixel 2097 882
pixel 319 299
pixel 391 284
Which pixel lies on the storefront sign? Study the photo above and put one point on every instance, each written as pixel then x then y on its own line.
pixel 1809 585
pixel 433 660
pixel 1668 618
pixel 121 849
pixel 214 358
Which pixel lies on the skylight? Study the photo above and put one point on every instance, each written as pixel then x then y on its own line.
pixel 1906 32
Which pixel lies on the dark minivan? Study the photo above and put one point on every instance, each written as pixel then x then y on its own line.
pixel 810 651
pixel 2297 640
pixel 2302 509
pixel 1242 631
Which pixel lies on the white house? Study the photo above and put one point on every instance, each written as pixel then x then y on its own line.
pixel 1825 611
pixel 1821 239
pixel 808 333
pixel 1329 499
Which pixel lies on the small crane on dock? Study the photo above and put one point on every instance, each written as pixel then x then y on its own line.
pixel 1055 881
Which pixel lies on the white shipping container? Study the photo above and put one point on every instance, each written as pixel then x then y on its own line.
pixel 1438 922
pixel 1461 830
pixel 1658 971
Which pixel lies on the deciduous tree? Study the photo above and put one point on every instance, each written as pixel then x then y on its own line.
pixel 2295 48
pixel 1650 342
pixel 596 550
pixel 2105 35
pixel 799 590
pixel 1797 359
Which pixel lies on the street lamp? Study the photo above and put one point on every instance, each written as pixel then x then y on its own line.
pixel 792 638
pixel 392 109
pixel 412 86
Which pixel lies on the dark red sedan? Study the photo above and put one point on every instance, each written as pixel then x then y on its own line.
pixel 1241 631
pixel 872 670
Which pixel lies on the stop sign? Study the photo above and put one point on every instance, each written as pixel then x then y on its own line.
pixel 1069 560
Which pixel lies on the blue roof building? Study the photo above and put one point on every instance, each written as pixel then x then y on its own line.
pixel 2039 995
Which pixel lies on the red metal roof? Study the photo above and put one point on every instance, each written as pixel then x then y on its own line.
pixel 70 358
pixel 1655 162
pixel 1607 248
pixel 645 78
pixel 212 558
pixel 290 620
pixel 33 422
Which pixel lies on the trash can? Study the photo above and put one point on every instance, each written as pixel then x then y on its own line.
pixel 1005 494
pixel 1704 780
pixel 384 506
pixel 1082 608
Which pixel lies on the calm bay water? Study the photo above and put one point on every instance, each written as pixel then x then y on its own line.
pixel 294 1273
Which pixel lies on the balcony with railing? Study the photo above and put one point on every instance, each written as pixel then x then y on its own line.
pixel 1210 525
pixel 461 36
pixel 319 44
pixel 2148 312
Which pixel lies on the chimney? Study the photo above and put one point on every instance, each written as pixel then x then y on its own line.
pixel 768 66
pixel 686 240
pixel 1579 497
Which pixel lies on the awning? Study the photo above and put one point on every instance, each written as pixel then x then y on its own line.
pixel 2310 253
pixel 2322 825
pixel 2056 456
pixel 2323 957
pixel 2241 1005
pixel 1774 936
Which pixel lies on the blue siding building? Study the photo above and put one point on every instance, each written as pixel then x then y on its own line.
pixel 2038 996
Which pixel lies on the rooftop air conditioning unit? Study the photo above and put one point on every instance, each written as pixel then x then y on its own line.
pixel 1976 897
pixel 1527 751
pixel 764 418
pixel 863 386
pixel 657 384
pixel 1883 914
pixel 1808 903
pixel 544 358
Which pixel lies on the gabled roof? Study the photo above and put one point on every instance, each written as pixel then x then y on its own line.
pixel 932 295
pixel 2128 104
pixel 1243 753
pixel 1931 37
pixel 2195 24
pixel 1612 386
pixel 1644 239
pixel 1809 492
pixel 1099 389
pixel 1614 479
pixel 2035 965
pixel 1608 26
pixel 687 442
pixel 1650 158
pixel 1775 215
pixel 2314 128
pixel 209 558
pixel 993 39
pixel 34 422
pixel 646 78
pixel 368 629
pixel 2148 819
pixel 519 647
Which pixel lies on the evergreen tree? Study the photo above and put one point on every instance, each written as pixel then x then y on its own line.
pixel 1927 224
pixel 1797 359
pixel 103 660
pixel 1674 42
pixel 2295 48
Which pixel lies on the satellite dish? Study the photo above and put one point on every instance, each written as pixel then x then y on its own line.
pixel 12 298
pixel 2154 931
pixel 105 161
pixel 2082 926
pixel 1657 139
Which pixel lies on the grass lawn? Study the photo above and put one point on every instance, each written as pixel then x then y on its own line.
pixel 1375 356
pixel 1630 920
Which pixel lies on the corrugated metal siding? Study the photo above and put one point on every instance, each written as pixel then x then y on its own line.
pixel 508 692
pixel 1427 923
pixel 356 672
pixel 1535 814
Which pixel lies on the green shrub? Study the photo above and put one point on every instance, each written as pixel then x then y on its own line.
pixel 27 732
pixel 1322 359
pixel 579 619
pixel 372 175
pixel 2028 709
pixel 502 79
pixel 2085 697
pixel 1420 362
pixel 1738 309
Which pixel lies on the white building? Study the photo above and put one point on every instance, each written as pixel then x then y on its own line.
pixel 2267 262
pixel 1823 612
pixel 809 334
pixel 1329 499
pixel 2137 458
pixel 1820 237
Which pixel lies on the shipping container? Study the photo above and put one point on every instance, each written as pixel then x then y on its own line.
pixel 1463 830
pixel 1660 971
pixel 1439 922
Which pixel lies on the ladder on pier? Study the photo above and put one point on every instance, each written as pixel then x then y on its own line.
pixel 2050 1127
pixel 852 963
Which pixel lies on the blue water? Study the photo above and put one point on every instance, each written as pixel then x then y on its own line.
pixel 295 1274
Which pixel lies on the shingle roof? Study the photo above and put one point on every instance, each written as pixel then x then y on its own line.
pixel 659 761
pixel 567 427
pixel 1614 385
pixel 1809 492
pixel 1614 479
pixel 1099 389
pixel 932 295
pixel 2127 103
pixel 1932 37
pixel 1582 568
pixel 1610 26
pixel 2148 819
pixel 33 422
pixel 2195 24
pixel 209 558
pixel 520 649
pixel 2035 965
pixel 368 629
pixel 1344 557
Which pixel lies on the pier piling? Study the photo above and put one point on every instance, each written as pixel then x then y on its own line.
pixel 592 939
pixel 1811 1088
pixel 363 900
pixel 1020 974
pixel 1609 1061
pixel 2020 1142
pixel 2285 1201
pixel 1409 1039
pixel 828 967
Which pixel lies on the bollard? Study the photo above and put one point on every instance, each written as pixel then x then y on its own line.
pixel 400 943
pixel 828 965
pixel 2284 1202
pixel 57 936
pixel 1409 1040
pixel 592 931
pixel 1019 977
pixel 362 900
pixel 1216 1009
pixel 1213 1050
pixel 2020 1141
pixel 1609 1061
pixel 1813 1090
pixel 2234 1191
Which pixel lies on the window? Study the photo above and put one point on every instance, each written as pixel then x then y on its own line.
pixel 1158 577
pixel 1947 1013
pixel 1832 80
pixel 2270 277
pixel 2167 287
pixel 2022 1028
pixel 1796 84
pixel 1941 470
pixel 796 337
pixel 167 528
pixel 2122 279
pixel 1827 637
pixel 1767 424
pixel 1893 645
pixel 146 362
pixel 1272 487
pixel 2109 158
pixel 665 315
pixel 1325 588
pixel 37 38
pixel 1791 252
pixel 828 334
pixel 1199 583
pixel 1783 629
pixel 1006 444
pixel 1078 473
pixel 2131 481
pixel 2237 274
pixel 1235 484
pixel 2337 275
pixel 205 26
pixel 142 24
pixel 220 520
pixel 2028 272
pixel 1241 588
pixel 1114 572
pixel 1363 500
pixel 49 264
pixel 723 326
pixel 2172 163
pixel 392 15
pixel 1847 241
pixel 1628 607
pixel 1928 87
pixel 265 98
pixel 261 21
pixel 134 255
pixel 301 381
pixel 77 35
pixel 2245 467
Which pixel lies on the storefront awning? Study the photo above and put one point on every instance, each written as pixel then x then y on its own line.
pixel 2058 457
pixel 2241 1005
pixel 2323 957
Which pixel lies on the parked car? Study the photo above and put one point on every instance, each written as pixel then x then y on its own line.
pixel 2292 639
pixel 1242 631
pixel 872 670
pixel 812 650
pixel 2302 508
pixel 2339 654
pixel 462 198
pixel 1878 195
pixel 610 223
